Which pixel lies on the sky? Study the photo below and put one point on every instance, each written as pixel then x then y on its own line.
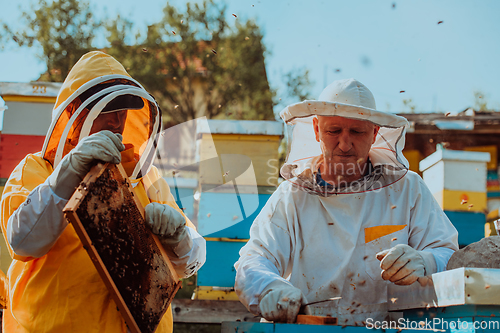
pixel 398 49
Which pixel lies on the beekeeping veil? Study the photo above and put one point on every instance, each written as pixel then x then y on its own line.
pixel 99 84
pixel 350 99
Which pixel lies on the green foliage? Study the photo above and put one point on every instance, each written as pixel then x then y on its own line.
pixel 298 84
pixel 408 103
pixel 196 64
pixel 64 31
pixel 195 61
pixel 480 102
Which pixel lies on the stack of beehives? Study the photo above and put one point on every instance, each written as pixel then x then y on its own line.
pixel 457 179
pixel 238 172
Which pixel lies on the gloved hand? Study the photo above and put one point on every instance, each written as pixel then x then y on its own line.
pixel 103 146
pixel 404 265
pixel 170 226
pixel 280 302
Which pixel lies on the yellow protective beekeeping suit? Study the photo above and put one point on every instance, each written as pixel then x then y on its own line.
pixel 62 291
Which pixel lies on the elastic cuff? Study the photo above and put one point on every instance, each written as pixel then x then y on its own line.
pixel 179 249
pixel 64 182
pixel 183 247
pixel 430 262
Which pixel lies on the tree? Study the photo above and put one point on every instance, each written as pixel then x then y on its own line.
pixel 480 103
pixel 195 63
pixel 408 103
pixel 64 30
pixel 298 84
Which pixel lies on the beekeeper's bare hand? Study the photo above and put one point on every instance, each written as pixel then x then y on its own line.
pixel 402 265
pixel 104 146
pixel 167 223
pixel 280 302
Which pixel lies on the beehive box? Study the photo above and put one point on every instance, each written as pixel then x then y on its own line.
pixel 457 177
pixel 414 157
pixel 238 172
pixel 109 221
pixel 242 149
pixel 492 149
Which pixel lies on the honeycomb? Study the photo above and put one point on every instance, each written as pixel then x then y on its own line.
pixel 133 265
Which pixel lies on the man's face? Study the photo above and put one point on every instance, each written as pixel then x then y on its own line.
pixel 345 143
pixel 111 121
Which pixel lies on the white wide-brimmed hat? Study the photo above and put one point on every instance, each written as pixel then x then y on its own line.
pixel 350 99
pixel 345 98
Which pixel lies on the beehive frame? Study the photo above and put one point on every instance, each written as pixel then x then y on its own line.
pixel 106 215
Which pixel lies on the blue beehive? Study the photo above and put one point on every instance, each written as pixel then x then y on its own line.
pixel 238 172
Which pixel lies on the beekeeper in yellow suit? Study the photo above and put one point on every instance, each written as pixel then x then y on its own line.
pixel 101 114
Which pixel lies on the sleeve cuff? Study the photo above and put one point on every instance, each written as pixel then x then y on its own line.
pixel 188 263
pixel 182 248
pixel 37 223
pixel 441 256
pixel 430 262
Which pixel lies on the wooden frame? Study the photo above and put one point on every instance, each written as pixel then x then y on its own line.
pixel 161 274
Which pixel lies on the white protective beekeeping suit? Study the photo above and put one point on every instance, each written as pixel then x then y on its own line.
pixel 323 238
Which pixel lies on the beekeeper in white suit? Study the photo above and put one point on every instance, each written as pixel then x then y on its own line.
pixel 348 196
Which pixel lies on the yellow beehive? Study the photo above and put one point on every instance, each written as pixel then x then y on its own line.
pixel 244 151
pixel 467 201
pixel 457 179
pixel 492 164
pixel 414 157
